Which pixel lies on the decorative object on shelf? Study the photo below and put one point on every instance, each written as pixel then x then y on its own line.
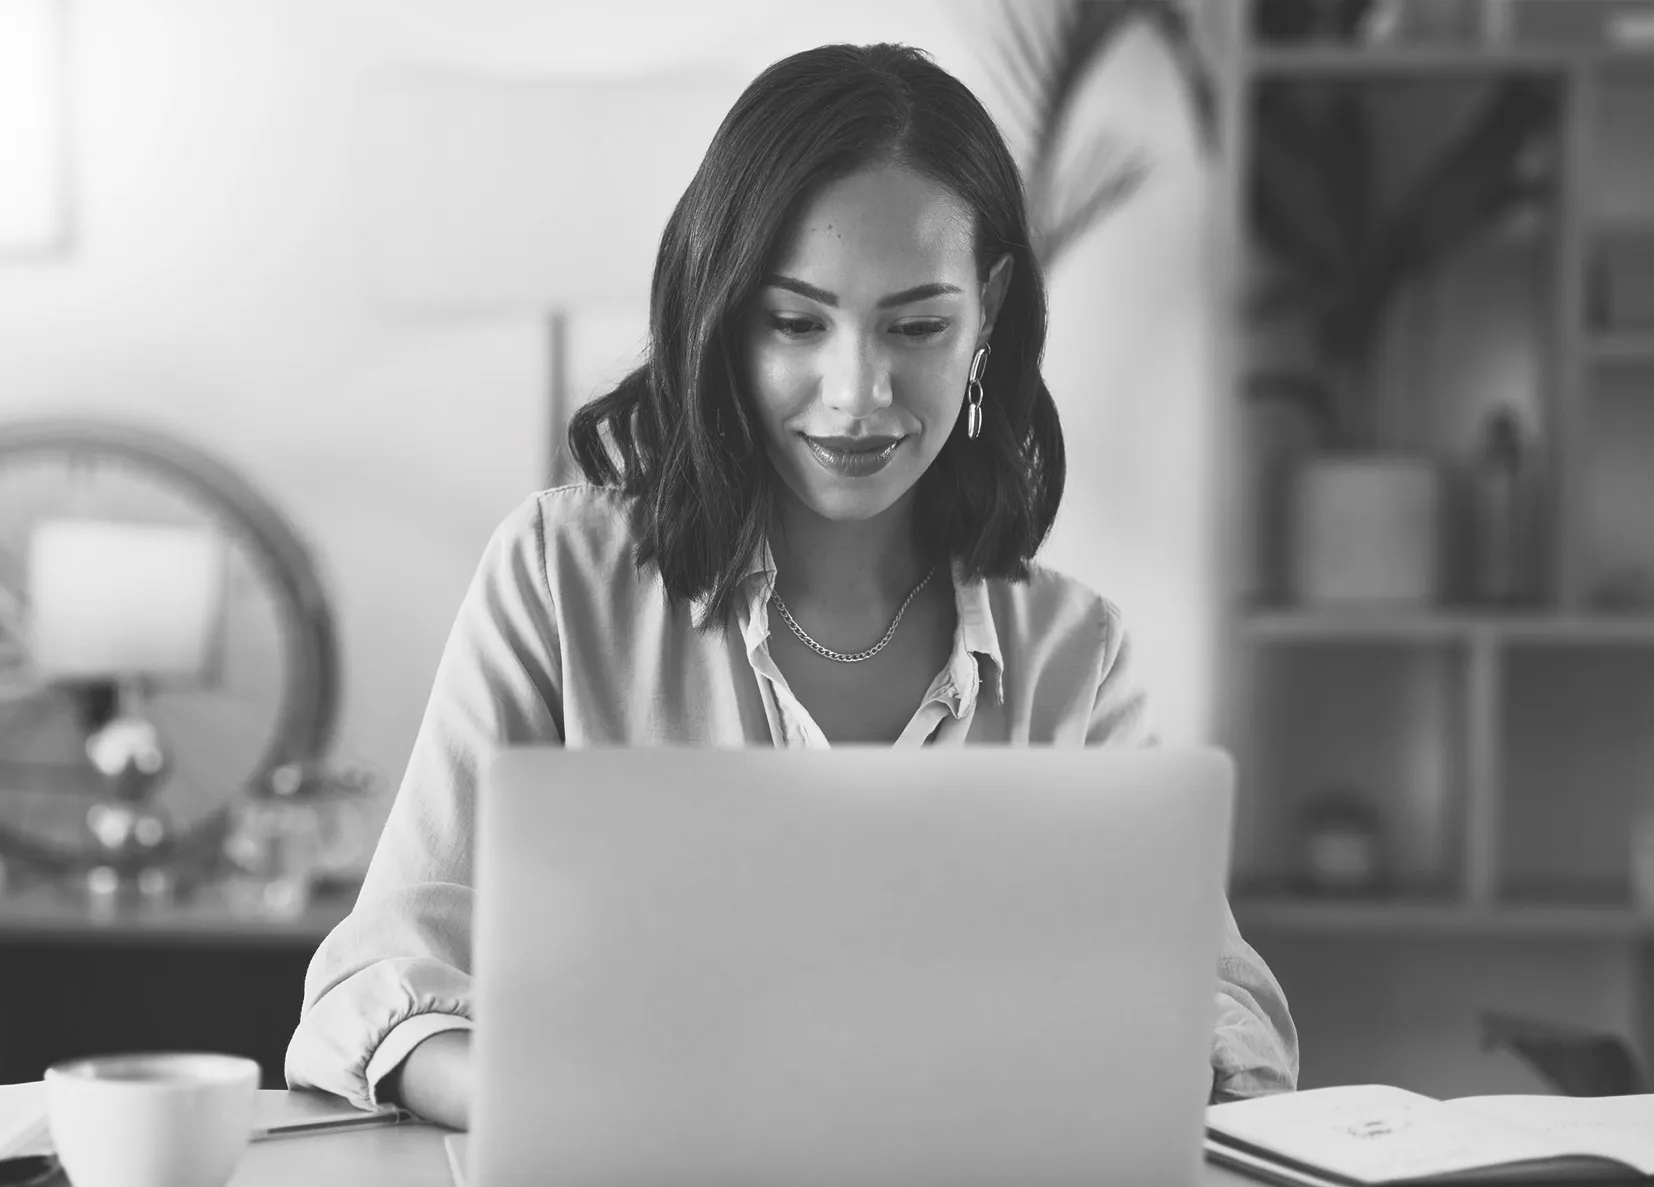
pixel 1628 590
pixel 1047 57
pixel 1576 1061
pixel 106 772
pixel 1341 846
pixel 1336 259
pixel 1364 530
pixel 1501 516
pixel 300 826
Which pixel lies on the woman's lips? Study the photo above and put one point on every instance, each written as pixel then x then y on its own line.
pixel 854 457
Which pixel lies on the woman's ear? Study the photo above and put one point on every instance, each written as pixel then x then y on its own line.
pixel 993 295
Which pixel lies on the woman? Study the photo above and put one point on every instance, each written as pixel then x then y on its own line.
pixel 812 518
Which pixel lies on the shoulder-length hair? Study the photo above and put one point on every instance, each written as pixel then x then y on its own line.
pixel 678 435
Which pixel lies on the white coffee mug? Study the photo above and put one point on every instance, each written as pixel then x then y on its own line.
pixel 152 1120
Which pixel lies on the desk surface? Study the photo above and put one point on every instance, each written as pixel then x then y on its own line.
pixel 407 1156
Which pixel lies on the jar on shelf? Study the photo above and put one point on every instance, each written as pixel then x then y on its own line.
pixel 303 823
pixel 1340 847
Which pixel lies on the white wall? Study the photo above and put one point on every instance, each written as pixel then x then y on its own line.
pixel 215 289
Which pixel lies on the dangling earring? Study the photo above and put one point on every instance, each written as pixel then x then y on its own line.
pixel 973 392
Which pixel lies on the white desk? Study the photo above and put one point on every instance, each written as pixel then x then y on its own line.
pixel 407 1156
pixel 403 1155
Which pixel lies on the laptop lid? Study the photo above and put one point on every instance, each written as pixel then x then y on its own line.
pixel 846 967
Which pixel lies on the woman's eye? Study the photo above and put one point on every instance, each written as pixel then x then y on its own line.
pixel 792 327
pixel 921 329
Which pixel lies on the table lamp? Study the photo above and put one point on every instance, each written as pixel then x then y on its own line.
pixel 117 609
pixel 488 196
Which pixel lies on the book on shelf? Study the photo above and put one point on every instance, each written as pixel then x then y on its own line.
pixel 1372 1134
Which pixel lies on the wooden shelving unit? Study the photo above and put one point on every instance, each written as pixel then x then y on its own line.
pixel 1466 627
pixel 1511 750
pixel 1338 61
pixel 1262 915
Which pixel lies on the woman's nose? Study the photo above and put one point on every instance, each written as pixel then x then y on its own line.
pixel 857 382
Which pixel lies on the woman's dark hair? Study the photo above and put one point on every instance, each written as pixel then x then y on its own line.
pixel 678 434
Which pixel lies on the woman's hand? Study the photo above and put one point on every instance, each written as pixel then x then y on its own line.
pixel 434 1081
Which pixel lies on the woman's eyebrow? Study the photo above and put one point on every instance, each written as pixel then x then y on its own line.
pixel 920 292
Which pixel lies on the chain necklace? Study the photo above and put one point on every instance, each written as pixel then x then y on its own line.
pixel 856 657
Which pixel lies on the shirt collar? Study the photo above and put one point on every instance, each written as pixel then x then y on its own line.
pixel 976 637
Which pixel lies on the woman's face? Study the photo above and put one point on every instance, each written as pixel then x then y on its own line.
pixel 859 344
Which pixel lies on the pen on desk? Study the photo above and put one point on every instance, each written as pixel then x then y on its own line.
pixel 329 1124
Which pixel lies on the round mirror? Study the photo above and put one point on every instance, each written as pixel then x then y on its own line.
pixel 268 697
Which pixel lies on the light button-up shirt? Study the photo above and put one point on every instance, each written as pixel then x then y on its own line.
pixel 560 638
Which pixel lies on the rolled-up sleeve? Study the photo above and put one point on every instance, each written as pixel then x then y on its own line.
pixel 397 969
pixel 1254 1041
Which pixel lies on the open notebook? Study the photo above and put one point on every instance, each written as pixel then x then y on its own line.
pixel 1374 1134
pixel 23 1129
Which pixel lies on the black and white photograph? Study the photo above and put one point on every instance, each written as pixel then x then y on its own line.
pixel 720 594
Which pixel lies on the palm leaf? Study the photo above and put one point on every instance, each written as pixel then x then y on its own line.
pixel 1472 185
pixel 1173 24
pixel 1310 175
pixel 1049 52
pixel 1106 178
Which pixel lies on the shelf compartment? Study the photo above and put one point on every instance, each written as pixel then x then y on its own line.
pixel 1577 768
pixel 1382 724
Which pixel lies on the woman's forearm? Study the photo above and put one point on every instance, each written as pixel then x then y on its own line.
pixel 434 1081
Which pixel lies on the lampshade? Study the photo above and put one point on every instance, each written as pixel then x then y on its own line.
pixel 494 194
pixel 112 600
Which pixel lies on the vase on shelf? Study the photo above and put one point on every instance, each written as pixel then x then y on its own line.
pixel 1340 847
pixel 1365 530
pixel 1500 512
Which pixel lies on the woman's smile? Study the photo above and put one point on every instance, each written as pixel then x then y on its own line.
pixel 854 457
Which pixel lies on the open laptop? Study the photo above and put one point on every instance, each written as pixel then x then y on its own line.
pixel 846 967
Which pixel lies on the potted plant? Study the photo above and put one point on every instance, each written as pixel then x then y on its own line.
pixel 1363 511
